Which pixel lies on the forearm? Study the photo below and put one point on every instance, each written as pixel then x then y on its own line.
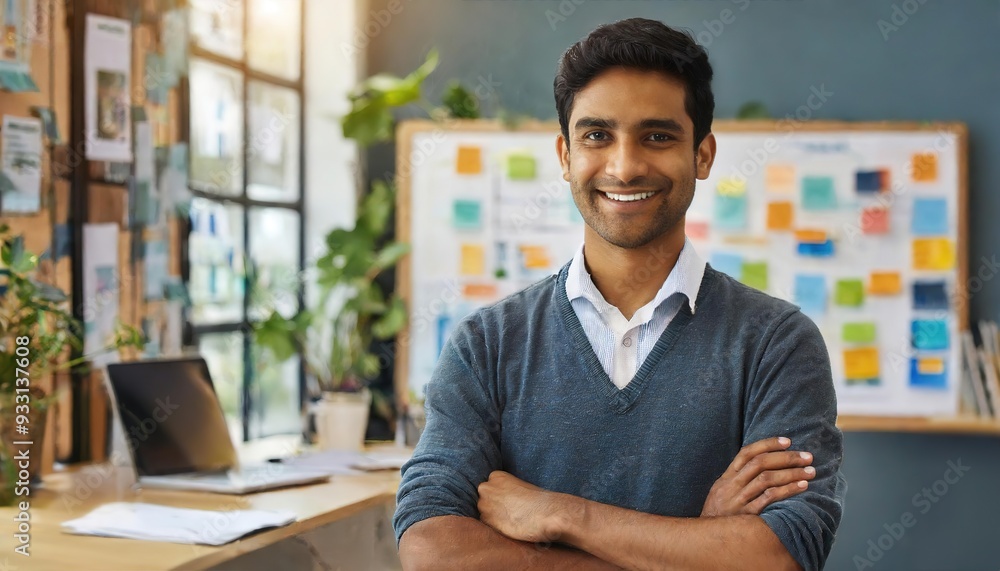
pixel 636 540
pixel 455 542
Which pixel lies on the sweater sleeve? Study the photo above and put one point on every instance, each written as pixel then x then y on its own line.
pixel 460 443
pixel 792 395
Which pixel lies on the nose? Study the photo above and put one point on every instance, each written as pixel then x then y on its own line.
pixel 626 161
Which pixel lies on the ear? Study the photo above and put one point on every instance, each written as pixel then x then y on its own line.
pixel 705 156
pixel 562 149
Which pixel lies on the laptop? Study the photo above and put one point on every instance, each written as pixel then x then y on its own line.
pixel 177 434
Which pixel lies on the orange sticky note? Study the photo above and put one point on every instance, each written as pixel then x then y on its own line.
pixel 885 283
pixel 473 262
pixel 811 236
pixel 861 364
pixel 779 178
pixel 875 220
pixel 925 167
pixel 779 215
pixel 696 229
pixel 484 291
pixel 469 161
pixel 933 254
pixel 535 257
pixel 930 366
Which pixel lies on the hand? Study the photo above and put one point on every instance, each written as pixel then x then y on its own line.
pixel 518 509
pixel 761 474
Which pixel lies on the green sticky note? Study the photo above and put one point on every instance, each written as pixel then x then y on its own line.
pixel 466 214
pixel 859 332
pixel 521 167
pixel 818 193
pixel 754 274
pixel 850 292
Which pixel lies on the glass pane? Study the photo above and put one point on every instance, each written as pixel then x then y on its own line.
pixel 275 36
pixel 216 128
pixel 274 253
pixel 215 251
pixel 274 396
pixel 218 26
pixel 224 354
pixel 274 143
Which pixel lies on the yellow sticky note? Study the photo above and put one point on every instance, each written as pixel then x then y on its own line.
pixel 535 257
pixel 810 236
pixel 930 366
pixel 925 168
pixel 732 186
pixel 473 261
pixel 469 161
pixel 779 216
pixel 933 254
pixel 885 283
pixel 861 364
pixel 779 178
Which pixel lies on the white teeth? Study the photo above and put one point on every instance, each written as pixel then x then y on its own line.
pixel 629 197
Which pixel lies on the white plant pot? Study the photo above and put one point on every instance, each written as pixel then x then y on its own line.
pixel 342 419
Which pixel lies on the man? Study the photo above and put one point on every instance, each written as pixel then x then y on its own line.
pixel 638 410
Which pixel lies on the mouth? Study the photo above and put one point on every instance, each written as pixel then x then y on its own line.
pixel 629 197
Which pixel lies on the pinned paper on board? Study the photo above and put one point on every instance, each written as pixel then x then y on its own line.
pixel 930 296
pixel 730 211
pixel 535 257
pixel 696 229
pixel 469 160
pixel 811 236
pixel 729 264
pixel 467 214
pixel 481 291
pixel 861 332
pixel 924 167
pixel 779 215
pixel 816 250
pixel 930 217
pixel 885 283
pixel 818 193
pixel 520 166
pixel 810 292
pixel 928 372
pixel 754 274
pixel 933 254
pixel 732 186
pixel 861 366
pixel 473 262
pixel 779 178
pixel 930 334
pixel 875 220
pixel 849 292
pixel 871 180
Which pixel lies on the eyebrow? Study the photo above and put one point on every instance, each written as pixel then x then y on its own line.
pixel 668 125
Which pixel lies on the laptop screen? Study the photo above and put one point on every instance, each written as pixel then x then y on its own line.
pixel 172 419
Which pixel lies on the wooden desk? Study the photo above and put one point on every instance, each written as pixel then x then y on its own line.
pixel 73 493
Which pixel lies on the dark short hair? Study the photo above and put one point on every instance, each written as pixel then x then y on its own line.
pixel 642 44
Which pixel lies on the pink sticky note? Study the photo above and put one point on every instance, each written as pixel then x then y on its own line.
pixel 696 229
pixel 875 220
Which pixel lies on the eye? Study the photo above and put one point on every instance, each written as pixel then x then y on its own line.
pixel 660 137
pixel 596 136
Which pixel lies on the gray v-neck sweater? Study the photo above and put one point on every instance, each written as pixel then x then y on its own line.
pixel 519 388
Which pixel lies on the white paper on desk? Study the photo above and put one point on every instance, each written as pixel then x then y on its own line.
pixel 150 522
pixel 348 463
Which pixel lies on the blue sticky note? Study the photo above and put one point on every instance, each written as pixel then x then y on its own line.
pixel 928 373
pixel 870 181
pixel 818 193
pixel 810 291
pixel 930 217
pixel 466 214
pixel 730 212
pixel 930 334
pixel 820 250
pixel 930 296
pixel 731 264
pixel 574 214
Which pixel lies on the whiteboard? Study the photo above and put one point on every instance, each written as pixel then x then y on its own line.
pixel 860 224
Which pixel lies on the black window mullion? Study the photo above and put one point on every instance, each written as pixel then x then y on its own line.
pixel 247 357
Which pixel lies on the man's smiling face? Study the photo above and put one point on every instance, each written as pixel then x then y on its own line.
pixel 630 159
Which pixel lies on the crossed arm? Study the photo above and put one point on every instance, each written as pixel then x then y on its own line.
pixel 519 522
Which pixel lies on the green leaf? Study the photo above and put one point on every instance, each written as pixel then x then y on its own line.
pixel 375 208
pixel 368 122
pixel 392 321
pixel 390 254
pixel 275 334
pixel 49 292
pixel 367 366
pixel 459 102
pixel 753 110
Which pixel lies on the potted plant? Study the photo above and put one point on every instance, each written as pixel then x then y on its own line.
pixel 36 335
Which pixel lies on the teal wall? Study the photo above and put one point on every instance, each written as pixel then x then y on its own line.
pixel 939 64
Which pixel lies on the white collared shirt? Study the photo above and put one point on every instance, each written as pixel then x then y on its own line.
pixel 622 344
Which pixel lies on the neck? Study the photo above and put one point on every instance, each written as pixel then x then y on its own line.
pixel 629 278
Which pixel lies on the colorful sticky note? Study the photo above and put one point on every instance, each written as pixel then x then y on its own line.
pixel 811 236
pixel 863 332
pixel 754 274
pixel 779 215
pixel 929 296
pixel 818 193
pixel 779 178
pixel 535 257
pixel 885 283
pixel 732 186
pixel 924 167
pixel 928 373
pixel 871 181
pixel 933 254
pixel 466 214
pixel 849 292
pixel 481 291
pixel 820 250
pixel 930 334
pixel 469 160
pixel 520 166
pixel 473 262
pixel 574 214
pixel 861 364
pixel 729 264
pixel 810 292
pixel 875 220
pixel 696 229
pixel 930 217
pixel 730 212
